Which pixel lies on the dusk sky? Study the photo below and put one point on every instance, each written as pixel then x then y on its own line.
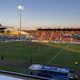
pixel 40 12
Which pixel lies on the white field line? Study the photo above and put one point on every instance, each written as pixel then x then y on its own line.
pixel 56 54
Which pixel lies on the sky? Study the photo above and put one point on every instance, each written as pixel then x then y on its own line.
pixel 40 13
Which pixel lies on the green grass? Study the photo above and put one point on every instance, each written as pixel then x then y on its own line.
pixel 42 53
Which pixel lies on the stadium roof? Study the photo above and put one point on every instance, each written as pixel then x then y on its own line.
pixel 58 29
pixel 4 27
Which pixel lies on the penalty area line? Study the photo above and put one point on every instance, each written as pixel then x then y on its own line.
pixel 57 54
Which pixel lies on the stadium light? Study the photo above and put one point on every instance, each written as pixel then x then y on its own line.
pixel 76 70
pixel 76 63
pixel 20 9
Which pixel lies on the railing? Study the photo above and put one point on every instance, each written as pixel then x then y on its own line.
pixel 23 75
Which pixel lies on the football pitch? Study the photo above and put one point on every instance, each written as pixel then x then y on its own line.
pixel 55 54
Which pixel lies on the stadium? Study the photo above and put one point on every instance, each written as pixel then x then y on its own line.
pixel 57 48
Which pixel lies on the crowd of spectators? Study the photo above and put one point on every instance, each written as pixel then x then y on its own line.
pixel 6 38
pixel 53 35
pixel 65 36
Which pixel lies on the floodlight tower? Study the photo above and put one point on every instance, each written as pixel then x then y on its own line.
pixel 20 9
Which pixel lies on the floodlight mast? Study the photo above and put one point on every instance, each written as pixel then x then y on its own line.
pixel 20 9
